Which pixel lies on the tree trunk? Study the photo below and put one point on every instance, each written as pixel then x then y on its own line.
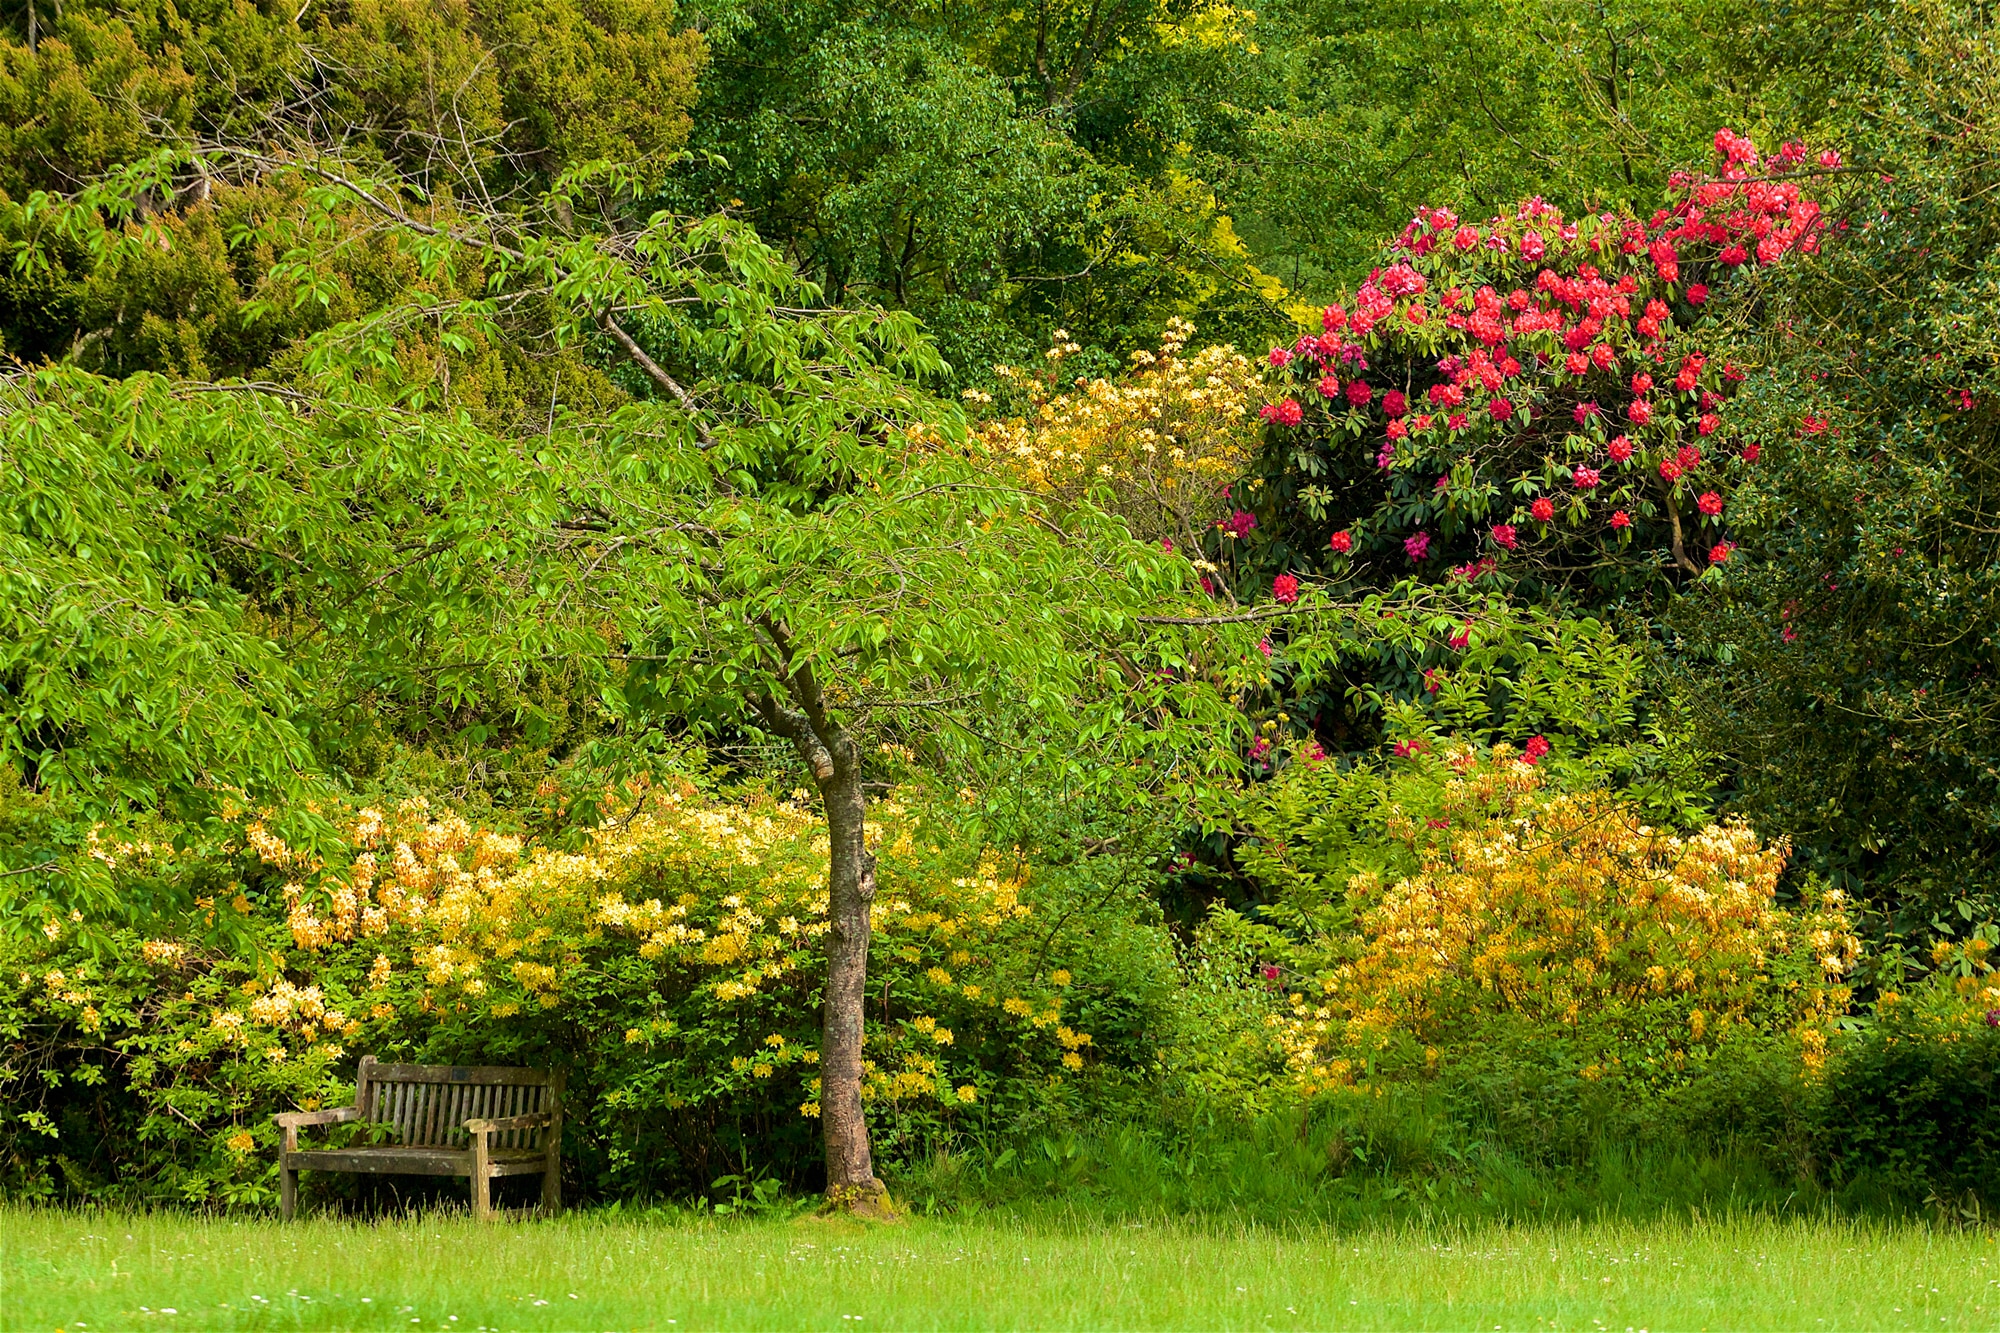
pixel 850 1165
pixel 829 751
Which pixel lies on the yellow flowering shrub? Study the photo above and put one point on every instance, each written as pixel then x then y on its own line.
pixel 1163 440
pixel 1631 951
pixel 671 963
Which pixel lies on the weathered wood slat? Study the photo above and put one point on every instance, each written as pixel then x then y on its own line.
pixel 392 1161
pixel 490 1074
pixel 411 1161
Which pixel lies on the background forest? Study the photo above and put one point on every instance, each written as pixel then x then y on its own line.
pixel 1397 600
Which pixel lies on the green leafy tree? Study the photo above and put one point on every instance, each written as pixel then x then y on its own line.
pixel 1378 107
pixel 781 533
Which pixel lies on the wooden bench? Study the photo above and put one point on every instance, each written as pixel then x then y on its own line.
pixel 479 1121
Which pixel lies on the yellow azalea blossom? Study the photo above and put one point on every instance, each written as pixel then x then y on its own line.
pixel 1518 915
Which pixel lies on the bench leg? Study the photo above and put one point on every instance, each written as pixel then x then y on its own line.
pixel 482 1180
pixel 552 1188
pixel 288 1191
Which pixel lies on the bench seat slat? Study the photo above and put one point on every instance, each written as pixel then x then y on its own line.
pixel 412 1161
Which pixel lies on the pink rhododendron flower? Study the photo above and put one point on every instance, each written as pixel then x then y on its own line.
pixel 1584 477
pixel 1285 588
pixel 1640 412
pixel 1504 537
pixel 1533 751
pixel 1697 293
pixel 1358 392
pixel 1670 469
pixel 1620 448
pixel 1342 541
pixel 1720 552
pixel 1417 545
pixel 1280 357
pixel 1394 403
pixel 1620 519
pixel 1544 509
pixel 1710 503
pixel 1751 452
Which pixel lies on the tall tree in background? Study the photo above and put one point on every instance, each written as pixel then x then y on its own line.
pixel 1844 670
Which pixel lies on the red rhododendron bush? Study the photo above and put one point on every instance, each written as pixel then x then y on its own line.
pixel 1534 394
pixel 1615 949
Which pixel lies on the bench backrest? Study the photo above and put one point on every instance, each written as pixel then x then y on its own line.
pixel 428 1105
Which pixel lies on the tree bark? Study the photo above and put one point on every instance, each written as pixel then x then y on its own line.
pixel 801 716
pixel 850 1164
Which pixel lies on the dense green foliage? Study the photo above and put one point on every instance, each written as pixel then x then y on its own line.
pixel 531 408
pixel 1846 672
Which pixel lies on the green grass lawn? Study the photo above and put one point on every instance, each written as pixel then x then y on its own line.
pixel 106 1271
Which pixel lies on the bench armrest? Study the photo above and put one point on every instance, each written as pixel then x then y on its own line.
pixel 300 1119
pixel 533 1120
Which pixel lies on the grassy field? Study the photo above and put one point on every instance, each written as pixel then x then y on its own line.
pixel 106 1271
